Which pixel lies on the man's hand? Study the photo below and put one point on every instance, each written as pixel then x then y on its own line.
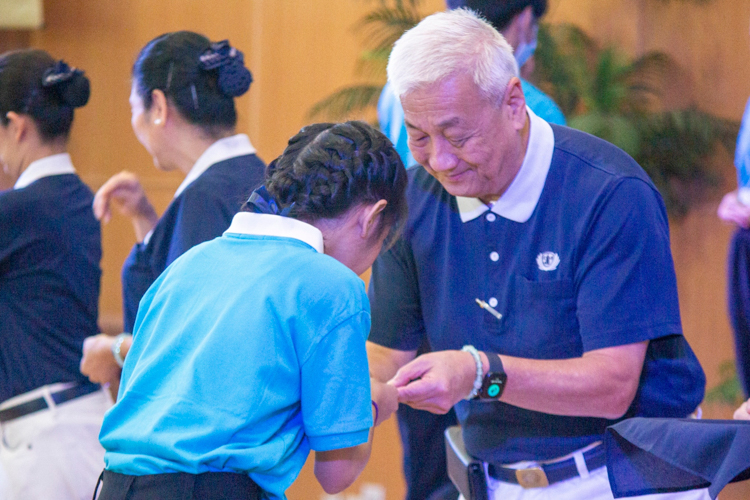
pixel 98 363
pixel 743 412
pixel 436 381
pixel 733 211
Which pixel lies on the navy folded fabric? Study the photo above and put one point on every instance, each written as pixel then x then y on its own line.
pixel 661 455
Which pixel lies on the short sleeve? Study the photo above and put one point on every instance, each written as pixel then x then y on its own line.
pixel 335 387
pixel 627 289
pixel 394 300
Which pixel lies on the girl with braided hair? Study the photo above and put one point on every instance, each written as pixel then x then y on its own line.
pixel 249 350
pixel 183 113
pixel 50 248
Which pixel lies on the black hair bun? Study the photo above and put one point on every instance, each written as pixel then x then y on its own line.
pixel 71 84
pixel 234 77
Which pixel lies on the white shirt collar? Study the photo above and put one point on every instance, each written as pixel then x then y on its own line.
pixel 275 225
pixel 50 165
pixel 519 201
pixel 223 149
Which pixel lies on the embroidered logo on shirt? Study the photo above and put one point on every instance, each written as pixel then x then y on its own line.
pixel 547 261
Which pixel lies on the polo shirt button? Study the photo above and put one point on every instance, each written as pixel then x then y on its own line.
pixel 491 217
pixel 493 302
pixel 494 256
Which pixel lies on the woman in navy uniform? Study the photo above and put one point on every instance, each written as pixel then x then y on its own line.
pixel 183 113
pixel 50 248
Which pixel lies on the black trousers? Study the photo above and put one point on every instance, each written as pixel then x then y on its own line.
pixel 178 486
pixel 738 276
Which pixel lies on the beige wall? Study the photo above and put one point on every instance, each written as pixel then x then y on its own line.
pixel 299 51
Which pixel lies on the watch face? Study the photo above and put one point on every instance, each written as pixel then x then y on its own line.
pixel 493 390
pixel 493 385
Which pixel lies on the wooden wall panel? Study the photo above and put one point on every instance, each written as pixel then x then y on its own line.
pixel 301 51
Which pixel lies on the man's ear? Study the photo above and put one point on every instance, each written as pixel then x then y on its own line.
pixel 514 102
pixel 368 218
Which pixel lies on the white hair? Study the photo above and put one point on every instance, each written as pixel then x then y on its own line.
pixel 446 43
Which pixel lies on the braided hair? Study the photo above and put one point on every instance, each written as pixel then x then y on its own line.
pixel 328 168
pixel 200 78
pixel 32 83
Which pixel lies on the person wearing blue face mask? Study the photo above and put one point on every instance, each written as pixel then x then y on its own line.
pixel 422 432
pixel 518 22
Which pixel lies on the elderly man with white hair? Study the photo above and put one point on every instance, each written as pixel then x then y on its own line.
pixel 536 262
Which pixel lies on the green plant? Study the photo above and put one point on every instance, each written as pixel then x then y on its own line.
pixel 728 391
pixel 380 29
pixel 604 93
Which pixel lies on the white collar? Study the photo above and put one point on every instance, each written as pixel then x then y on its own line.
pixel 276 225
pixel 49 165
pixel 223 149
pixel 519 201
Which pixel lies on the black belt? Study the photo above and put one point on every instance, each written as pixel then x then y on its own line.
pixel 551 473
pixel 40 403
pixel 177 486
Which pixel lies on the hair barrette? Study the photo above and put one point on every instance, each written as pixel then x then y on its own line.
pixel 220 54
pixel 58 73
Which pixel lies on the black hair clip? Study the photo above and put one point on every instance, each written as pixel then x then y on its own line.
pixel 261 202
pixel 58 73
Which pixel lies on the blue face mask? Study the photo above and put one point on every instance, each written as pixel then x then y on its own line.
pixel 525 50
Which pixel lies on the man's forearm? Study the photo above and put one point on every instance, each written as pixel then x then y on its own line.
pixel 602 383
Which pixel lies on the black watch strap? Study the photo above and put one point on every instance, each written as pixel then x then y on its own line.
pixel 494 381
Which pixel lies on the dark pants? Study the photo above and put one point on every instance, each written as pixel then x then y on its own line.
pixel 424 454
pixel 739 302
pixel 178 486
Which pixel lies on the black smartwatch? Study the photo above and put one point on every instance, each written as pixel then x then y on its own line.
pixel 494 382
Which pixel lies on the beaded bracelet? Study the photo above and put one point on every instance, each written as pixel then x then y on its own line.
pixel 478 380
pixel 116 349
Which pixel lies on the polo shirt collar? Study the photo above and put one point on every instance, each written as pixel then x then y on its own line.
pixel 249 223
pixel 520 199
pixel 223 149
pixel 51 165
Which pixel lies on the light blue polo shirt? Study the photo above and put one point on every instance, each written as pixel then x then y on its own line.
pixel 248 351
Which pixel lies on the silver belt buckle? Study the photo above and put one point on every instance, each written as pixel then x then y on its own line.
pixel 534 477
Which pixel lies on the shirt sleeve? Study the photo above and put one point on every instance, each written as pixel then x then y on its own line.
pixel 335 387
pixel 202 217
pixel 627 289
pixel 394 300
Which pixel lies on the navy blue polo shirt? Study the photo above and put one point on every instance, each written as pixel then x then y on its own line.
pixel 585 266
pixel 50 248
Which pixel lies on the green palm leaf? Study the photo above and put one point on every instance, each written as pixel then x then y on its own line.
pixel 346 102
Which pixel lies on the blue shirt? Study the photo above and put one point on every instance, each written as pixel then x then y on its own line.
pixel 391 116
pixel 200 212
pixel 244 359
pixel 50 248
pixel 742 155
pixel 584 266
